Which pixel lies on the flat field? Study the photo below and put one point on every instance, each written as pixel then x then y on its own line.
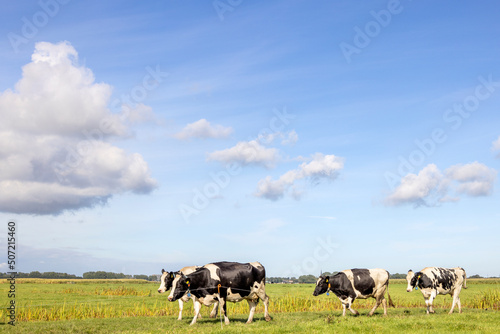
pixel 134 306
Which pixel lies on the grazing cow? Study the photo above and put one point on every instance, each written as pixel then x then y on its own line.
pixel 224 281
pixel 166 284
pixel 433 281
pixel 350 284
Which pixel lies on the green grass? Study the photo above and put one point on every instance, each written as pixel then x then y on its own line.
pixel 135 306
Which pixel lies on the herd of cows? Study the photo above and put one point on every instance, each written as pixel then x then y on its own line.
pixel 219 282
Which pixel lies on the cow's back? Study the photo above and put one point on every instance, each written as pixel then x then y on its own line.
pixel 188 270
pixel 366 282
pixel 444 280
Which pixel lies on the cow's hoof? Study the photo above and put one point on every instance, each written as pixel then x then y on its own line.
pixel 268 318
pixel 212 316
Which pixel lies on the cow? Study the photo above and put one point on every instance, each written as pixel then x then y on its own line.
pixel 434 281
pixel 166 284
pixel 350 284
pixel 223 282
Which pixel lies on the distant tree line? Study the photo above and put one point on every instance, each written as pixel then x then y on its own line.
pixel 87 275
pixel 37 274
pixel 301 279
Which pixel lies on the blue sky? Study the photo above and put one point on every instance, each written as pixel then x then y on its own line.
pixel 307 135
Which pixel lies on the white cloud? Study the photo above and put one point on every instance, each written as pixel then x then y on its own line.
pixel 431 187
pixel 416 188
pixel 322 167
pixel 54 138
pixel 496 146
pixel 247 153
pixel 473 179
pixel 203 129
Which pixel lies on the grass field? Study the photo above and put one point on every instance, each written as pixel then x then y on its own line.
pixel 130 306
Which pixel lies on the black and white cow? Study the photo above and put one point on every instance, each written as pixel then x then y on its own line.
pixel 167 279
pixel 350 284
pixel 223 282
pixel 434 281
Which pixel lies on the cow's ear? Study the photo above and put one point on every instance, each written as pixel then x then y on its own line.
pixel 327 279
pixel 172 275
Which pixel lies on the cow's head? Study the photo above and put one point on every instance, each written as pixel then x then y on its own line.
pixel 322 285
pixel 411 279
pixel 166 280
pixel 180 286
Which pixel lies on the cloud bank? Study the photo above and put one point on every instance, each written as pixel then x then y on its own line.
pixel 431 186
pixel 55 149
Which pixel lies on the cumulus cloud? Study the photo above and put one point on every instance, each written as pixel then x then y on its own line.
pixel 430 186
pixel 203 129
pixel 247 153
pixel 473 179
pixel 321 167
pixel 55 136
pixel 415 188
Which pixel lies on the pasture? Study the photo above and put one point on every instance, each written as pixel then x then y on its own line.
pixel 131 306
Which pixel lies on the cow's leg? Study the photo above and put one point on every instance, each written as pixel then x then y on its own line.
pixel 377 303
pixel 384 305
pixel 181 307
pixel 353 311
pixel 459 306
pixel 456 300
pixel 197 307
pixel 343 308
pixel 349 304
pixel 427 303
pixel 430 300
pixel 251 304
pixel 265 299
pixel 223 303
pixel 213 314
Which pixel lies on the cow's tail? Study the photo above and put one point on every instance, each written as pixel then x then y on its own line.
pixel 391 304
pixel 465 279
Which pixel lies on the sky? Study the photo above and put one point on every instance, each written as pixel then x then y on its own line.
pixel 310 136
